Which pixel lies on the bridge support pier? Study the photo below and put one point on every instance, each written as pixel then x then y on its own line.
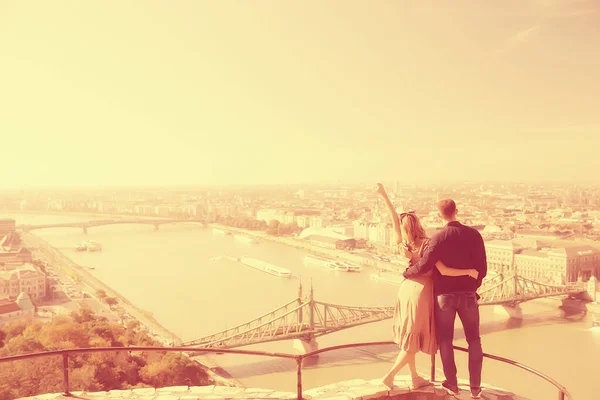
pixel 156 227
pixel 304 347
pixel 509 311
pixel 84 230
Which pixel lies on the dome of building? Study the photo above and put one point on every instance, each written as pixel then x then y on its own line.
pixel 24 301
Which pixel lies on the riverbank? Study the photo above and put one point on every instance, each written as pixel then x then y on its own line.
pixel 123 310
pixel 361 258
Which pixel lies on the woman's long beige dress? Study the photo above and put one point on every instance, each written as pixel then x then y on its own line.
pixel 413 323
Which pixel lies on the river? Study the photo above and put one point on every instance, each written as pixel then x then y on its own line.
pixel 170 273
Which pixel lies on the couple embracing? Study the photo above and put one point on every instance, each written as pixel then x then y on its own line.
pixel 442 279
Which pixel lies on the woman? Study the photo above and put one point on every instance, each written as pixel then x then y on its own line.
pixel 413 324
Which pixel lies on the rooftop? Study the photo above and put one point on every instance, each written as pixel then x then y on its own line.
pixel 8 271
pixel 8 306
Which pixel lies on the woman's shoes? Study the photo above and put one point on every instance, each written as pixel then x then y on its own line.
pixel 416 383
pixel 388 382
pixel 419 382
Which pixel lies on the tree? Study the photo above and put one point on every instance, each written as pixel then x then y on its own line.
pixel 133 325
pixel 111 301
pixel 84 315
pixel 90 371
pixel 172 369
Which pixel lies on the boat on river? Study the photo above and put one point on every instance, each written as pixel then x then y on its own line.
pixel 344 266
pixel 93 246
pixel 266 267
pixel 88 245
pixel 331 264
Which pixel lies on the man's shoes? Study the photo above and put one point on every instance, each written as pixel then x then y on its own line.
pixel 450 389
pixel 476 393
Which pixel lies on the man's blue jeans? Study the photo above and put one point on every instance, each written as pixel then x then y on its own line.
pixel 466 306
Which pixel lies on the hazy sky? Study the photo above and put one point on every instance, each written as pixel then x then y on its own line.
pixel 256 91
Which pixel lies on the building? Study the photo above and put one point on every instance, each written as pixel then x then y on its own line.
pixel 7 226
pixel 540 235
pixel 304 218
pixel 397 188
pixel 20 256
pixel 543 266
pixel 21 308
pixel 10 242
pixel 16 279
pixel 144 209
pixel 381 233
pixel 107 207
pixel 348 244
pixel 583 261
pixel 541 262
pixel 326 237
pixel 541 201
pixel 343 229
pixel 501 254
pixel 303 221
pixel 317 221
pixel 269 215
pixel 323 241
pixel 360 230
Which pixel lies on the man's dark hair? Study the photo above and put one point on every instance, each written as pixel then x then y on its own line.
pixel 447 208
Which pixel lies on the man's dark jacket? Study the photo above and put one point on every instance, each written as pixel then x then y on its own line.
pixel 457 246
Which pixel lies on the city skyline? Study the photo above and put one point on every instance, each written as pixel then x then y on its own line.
pixel 273 93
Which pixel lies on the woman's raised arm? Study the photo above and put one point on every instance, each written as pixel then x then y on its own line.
pixel 395 220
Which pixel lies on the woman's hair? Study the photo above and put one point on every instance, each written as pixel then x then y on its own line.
pixel 411 228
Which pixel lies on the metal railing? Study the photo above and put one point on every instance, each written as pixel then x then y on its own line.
pixel 563 393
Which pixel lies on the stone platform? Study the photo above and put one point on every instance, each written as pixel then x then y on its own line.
pixel 357 389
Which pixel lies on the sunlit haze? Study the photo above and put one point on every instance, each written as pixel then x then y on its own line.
pixel 230 92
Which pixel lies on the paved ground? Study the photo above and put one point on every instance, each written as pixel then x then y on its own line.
pixel 356 389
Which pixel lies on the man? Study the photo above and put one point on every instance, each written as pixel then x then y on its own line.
pixel 457 246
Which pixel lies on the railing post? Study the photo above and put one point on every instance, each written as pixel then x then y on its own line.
pixel 299 376
pixel 66 373
pixel 311 309
pixel 432 372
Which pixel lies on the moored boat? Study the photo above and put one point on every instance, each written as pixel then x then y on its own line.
pixel 80 247
pixel 333 265
pixel 316 260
